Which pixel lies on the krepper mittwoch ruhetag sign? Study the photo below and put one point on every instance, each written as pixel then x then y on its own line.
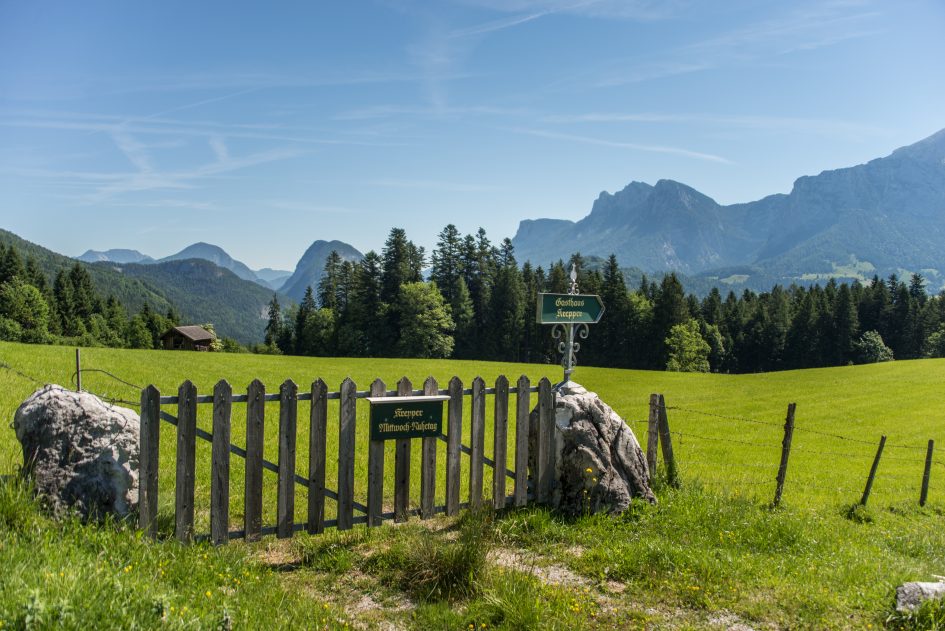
pixel 406 417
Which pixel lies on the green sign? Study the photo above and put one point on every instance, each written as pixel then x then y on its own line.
pixel 406 417
pixel 569 309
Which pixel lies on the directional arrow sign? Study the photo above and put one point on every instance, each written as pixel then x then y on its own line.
pixel 569 309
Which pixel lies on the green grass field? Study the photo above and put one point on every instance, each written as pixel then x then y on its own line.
pixel 710 551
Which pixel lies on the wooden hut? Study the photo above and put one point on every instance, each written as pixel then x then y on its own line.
pixel 187 338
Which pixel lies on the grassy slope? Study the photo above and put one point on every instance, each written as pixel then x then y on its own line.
pixel 711 547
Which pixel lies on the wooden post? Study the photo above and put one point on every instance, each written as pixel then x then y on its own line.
pixel 928 472
pixel 220 472
pixel 149 460
pixel 666 442
pixel 546 441
pixel 255 422
pixel 500 441
pixel 785 452
pixel 653 435
pixel 346 438
pixel 428 461
pixel 288 421
pixel 872 476
pixel 522 406
pixel 78 371
pixel 402 464
pixel 454 434
pixel 477 437
pixel 375 489
pixel 318 432
pixel 186 455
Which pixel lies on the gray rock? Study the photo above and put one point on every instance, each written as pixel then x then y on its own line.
pixel 910 596
pixel 599 465
pixel 81 452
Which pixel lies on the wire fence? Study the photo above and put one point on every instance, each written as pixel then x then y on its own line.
pixel 693 445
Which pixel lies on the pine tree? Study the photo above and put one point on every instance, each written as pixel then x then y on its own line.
pixel 274 325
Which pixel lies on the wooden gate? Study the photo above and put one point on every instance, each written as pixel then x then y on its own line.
pixel 528 484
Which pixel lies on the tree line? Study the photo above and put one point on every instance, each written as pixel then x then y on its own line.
pixel 69 310
pixel 480 304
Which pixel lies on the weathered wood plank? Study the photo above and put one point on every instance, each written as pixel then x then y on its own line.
pixel 500 441
pixel 653 435
pixel 402 464
pixel 318 432
pixel 477 441
pixel 375 497
pixel 255 425
pixel 666 445
pixel 186 464
pixel 522 407
pixel 454 434
pixel 785 452
pixel 149 460
pixel 220 467
pixel 288 423
pixel 346 440
pixel 428 462
pixel 546 441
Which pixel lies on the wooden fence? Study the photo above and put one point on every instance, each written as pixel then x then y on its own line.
pixel 528 484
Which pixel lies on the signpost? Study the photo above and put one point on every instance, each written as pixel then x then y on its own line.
pixel 570 314
pixel 406 417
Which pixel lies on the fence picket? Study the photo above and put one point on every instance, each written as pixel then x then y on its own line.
pixel 499 443
pixel 186 461
pixel 402 464
pixel 288 421
pixel 346 440
pixel 318 431
pixel 220 472
pixel 454 434
pixel 522 406
pixel 375 493
pixel 255 421
pixel 149 460
pixel 477 439
pixel 428 462
pixel 546 441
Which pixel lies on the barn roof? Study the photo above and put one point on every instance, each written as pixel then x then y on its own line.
pixel 192 332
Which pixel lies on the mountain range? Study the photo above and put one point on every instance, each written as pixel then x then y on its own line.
pixel 308 271
pixel 885 216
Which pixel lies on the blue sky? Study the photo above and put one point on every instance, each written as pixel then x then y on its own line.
pixel 262 127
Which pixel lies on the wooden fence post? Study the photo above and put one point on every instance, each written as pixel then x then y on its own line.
pixel 78 370
pixel 477 437
pixel 546 441
pixel 454 433
pixel 666 442
pixel 872 476
pixel 785 453
pixel 653 435
pixel 500 441
pixel 428 461
pixel 926 474
pixel 402 464
pixel 149 460
pixel 288 422
pixel 346 439
pixel 522 405
pixel 220 472
pixel 375 492
pixel 318 432
pixel 186 461
pixel 255 421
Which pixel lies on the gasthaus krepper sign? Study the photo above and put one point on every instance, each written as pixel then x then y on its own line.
pixel 406 417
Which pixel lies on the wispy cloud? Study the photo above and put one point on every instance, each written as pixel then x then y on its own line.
pixel 389 111
pixel 306 208
pixel 588 140
pixel 432 185
pixel 609 9
pixel 757 122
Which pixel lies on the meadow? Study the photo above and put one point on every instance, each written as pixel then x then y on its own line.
pixel 711 553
